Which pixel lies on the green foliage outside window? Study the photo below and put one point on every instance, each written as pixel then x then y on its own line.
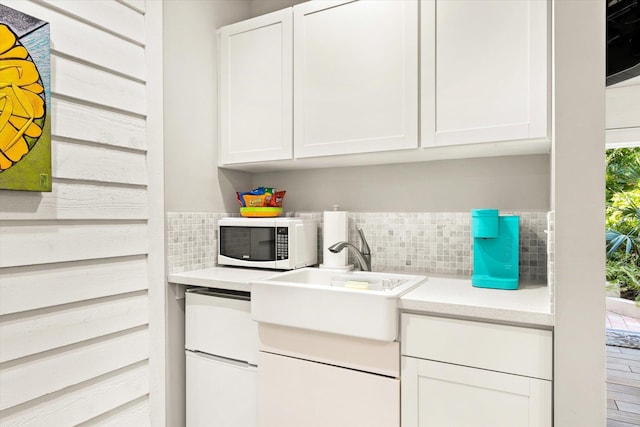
pixel 623 220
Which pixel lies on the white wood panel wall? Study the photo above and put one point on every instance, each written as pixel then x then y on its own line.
pixel 75 339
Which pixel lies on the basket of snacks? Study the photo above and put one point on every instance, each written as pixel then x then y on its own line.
pixel 260 202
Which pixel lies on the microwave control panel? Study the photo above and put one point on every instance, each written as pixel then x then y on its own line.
pixel 282 243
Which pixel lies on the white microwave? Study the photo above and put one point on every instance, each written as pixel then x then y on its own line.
pixel 278 243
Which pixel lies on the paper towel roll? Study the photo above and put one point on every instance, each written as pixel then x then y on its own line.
pixel 336 229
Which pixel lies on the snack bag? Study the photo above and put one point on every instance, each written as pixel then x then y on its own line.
pixel 239 199
pixel 253 200
pixel 276 199
pixel 269 191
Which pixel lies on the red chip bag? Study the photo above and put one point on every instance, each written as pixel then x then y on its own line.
pixel 276 199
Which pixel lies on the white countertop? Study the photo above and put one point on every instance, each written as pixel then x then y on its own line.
pixel 231 278
pixel 529 304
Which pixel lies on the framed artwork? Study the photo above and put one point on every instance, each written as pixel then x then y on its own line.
pixel 25 102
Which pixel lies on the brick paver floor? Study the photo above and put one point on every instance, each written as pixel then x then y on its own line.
pixel 618 321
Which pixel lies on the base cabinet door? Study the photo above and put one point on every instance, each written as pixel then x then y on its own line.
pixel 295 393
pixel 438 394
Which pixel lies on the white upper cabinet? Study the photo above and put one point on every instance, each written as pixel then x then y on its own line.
pixel 403 80
pixel 355 76
pixel 484 71
pixel 256 89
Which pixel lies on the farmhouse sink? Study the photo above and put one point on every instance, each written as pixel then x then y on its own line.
pixel 359 303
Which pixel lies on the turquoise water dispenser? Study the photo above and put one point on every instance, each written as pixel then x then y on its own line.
pixel 495 249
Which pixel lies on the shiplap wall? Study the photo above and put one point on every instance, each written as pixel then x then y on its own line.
pixel 74 263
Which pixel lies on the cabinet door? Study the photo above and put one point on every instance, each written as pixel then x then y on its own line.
pixel 484 70
pixel 438 394
pixel 295 392
pixel 256 89
pixel 355 76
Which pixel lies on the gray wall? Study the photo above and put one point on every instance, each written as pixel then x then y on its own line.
pixel 260 7
pixel 508 183
pixel 192 180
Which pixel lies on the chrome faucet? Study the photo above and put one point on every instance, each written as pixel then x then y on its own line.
pixel 363 255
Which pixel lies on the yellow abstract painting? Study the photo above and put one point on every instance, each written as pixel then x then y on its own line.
pixel 25 130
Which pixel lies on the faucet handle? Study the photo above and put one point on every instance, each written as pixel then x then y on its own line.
pixel 364 246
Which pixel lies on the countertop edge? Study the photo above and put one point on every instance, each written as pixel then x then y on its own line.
pixel 456 297
pixel 227 278
pixel 488 314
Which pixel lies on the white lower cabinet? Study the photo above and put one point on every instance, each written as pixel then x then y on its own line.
pixel 436 394
pixel 219 392
pixel 317 379
pixel 312 394
pixel 462 373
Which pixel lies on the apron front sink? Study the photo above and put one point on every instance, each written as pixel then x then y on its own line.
pixel 361 304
